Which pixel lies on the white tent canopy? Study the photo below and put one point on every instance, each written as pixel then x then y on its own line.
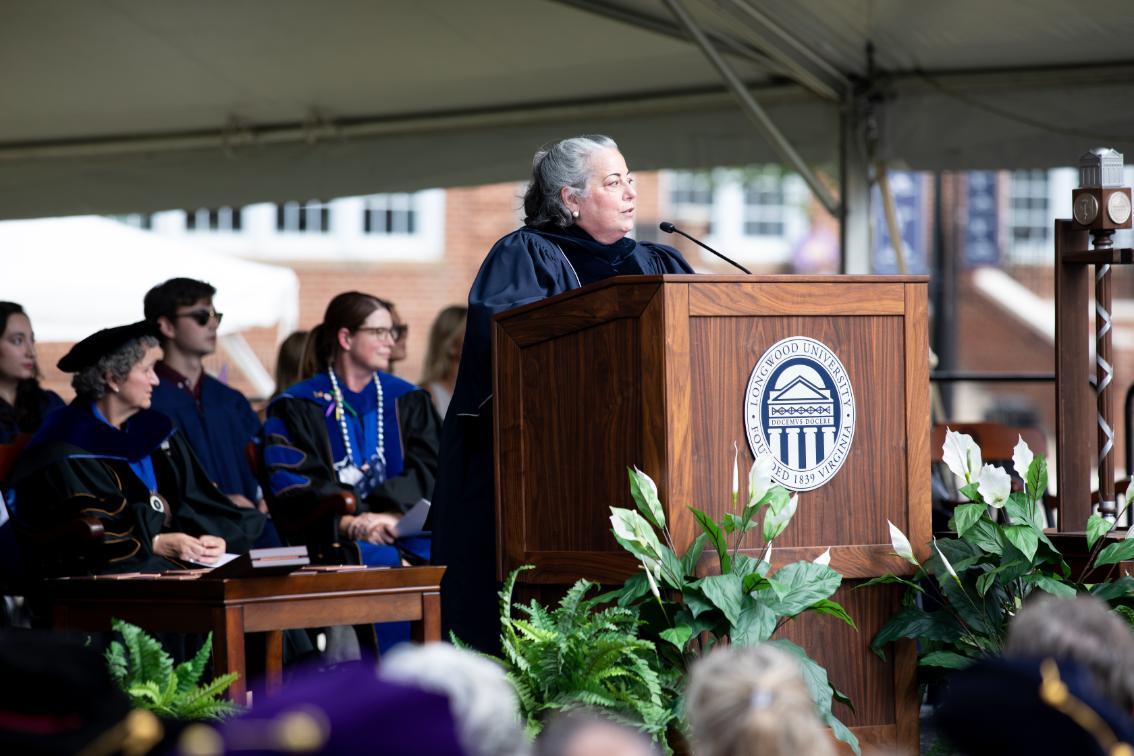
pixel 140 105
pixel 76 275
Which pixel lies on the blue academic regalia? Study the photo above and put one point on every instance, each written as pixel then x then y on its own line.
pixel 219 431
pixel 525 266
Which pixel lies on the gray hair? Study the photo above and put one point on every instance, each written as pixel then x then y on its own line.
pixel 482 700
pixel 749 701
pixel 565 163
pixel 90 382
pixel 565 735
pixel 1083 630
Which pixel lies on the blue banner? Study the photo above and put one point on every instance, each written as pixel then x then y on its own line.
pixel 982 225
pixel 909 193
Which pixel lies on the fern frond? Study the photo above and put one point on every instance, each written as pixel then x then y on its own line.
pixel 189 673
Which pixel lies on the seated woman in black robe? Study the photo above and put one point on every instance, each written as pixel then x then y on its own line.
pixel 109 456
pixel 351 427
pixel 23 404
pixel 579 208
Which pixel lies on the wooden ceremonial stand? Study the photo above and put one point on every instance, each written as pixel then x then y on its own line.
pixel 653 372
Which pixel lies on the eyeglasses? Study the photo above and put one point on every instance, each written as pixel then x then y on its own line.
pixel 397 333
pixel 201 317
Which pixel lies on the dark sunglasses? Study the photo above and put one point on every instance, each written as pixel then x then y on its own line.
pixel 201 317
pixel 397 333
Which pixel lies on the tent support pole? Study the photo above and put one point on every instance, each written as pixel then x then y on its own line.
pixel 755 113
pixel 854 187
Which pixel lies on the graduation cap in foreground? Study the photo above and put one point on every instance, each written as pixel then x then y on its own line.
pixel 1031 706
pixel 58 698
pixel 345 711
pixel 101 343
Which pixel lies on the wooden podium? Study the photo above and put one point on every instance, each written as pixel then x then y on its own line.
pixel 652 371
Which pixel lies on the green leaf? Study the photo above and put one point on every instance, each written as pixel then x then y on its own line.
pixel 1115 553
pixel 799 585
pixel 673 571
pixel 985 535
pixel 716 537
pixel 777 497
pixel 1097 527
pixel 696 600
pixel 1037 478
pixel 1114 589
pixel 1024 538
pixel 691 557
pixel 971 492
pixel 832 608
pixel 891 580
pixel 947 659
pixel 1019 508
pixel 986 581
pixel 635 534
pixel 755 624
pixel 725 592
pixel 1054 587
pixel 678 635
pixel 734 523
pixel 754 581
pixel 966 515
pixel 821 691
pixel 645 494
pixel 843 733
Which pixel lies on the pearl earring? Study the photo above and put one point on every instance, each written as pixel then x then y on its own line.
pixel 574 213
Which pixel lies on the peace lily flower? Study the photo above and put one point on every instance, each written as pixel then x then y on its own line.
pixel 961 455
pixel 650 578
pixel 994 485
pixel 760 477
pixel 774 523
pixel 735 472
pixel 824 558
pixel 901 545
pixel 944 561
pixel 1022 458
pixel 767 554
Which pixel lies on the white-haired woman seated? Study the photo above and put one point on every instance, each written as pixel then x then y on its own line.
pixel 109 456
pixel 579 207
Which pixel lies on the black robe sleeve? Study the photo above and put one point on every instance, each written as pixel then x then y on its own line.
pixel 420 429
pixel 198 506
pixel 69 487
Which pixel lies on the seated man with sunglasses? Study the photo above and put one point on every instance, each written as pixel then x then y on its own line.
pixel 217 420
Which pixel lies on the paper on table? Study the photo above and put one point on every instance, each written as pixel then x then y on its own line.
pixel 412 522
pixel 223 559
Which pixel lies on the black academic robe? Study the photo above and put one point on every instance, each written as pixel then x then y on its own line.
pixel 303 443
pixel 78 465
pixel 38 403
pixel 525 266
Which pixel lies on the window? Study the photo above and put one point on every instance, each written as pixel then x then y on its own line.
pixel 764 203
pixel 218 219
pixel 390 214
pixel 311 217
pixel 1029 216
pixel 691 197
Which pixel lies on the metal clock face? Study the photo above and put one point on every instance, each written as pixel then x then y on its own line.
pixel 1086 209
pixel 1118 207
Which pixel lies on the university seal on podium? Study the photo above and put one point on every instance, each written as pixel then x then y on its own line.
pixel 799 408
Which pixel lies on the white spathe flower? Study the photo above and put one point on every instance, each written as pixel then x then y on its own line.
pixel 767 554
pixel 774 523
pixel 824 558
pixel 901 545
pixel 962 455
pixel 948 567
pixel 1022 458
pixel 760 477
pixel 994 485
pixel 650 578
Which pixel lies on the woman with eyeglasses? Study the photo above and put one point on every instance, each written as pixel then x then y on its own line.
pixel 23 403
pixel 579 211
pixel 351 426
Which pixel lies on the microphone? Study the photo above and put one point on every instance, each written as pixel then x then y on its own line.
pixel 669 228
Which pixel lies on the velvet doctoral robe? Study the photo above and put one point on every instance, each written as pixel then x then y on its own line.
pixel 525 266
pixel 78 465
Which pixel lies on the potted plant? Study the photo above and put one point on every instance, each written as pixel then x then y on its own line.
pixel 960 601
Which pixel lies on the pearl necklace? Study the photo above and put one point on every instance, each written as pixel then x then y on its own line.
pixel 349 472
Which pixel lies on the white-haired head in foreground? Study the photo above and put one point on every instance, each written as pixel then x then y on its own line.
pixel 749 701
pixel 482 700
pixel 587 732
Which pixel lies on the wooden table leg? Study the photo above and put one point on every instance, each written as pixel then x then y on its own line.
pixel 273 661
pixel 228 649
pixel 428 628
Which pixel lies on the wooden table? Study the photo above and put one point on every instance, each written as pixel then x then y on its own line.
pixel 231 608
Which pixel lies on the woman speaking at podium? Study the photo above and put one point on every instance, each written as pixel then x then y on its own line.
pixel 578 208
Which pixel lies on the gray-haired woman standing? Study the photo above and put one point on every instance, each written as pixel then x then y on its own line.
pixel 579 208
